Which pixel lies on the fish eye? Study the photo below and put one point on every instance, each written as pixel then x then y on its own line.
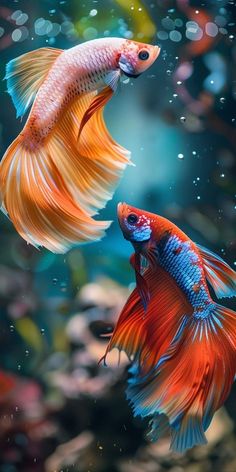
pixel 143 55
pixel 132 218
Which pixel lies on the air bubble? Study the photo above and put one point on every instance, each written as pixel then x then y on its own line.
pixel 180 156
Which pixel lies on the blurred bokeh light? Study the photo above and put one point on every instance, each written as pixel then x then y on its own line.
pixel 60 410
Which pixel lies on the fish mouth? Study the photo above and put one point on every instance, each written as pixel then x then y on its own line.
pixel 132 76
pixel 120 210
pixel 157 52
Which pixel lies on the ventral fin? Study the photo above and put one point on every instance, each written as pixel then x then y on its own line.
pixel 112 79
pixel 26 73
pixel 142 286
pixel 98 102
pixel 219 274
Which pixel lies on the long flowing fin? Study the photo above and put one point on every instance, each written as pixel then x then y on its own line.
pixel 98 102
pixel 39 203
pixel 189 434
pixel 93 165
pixel 26 73
pixel 187 383
pixel 50 192
pixel 147 334
pixel 141 283
pixel 219 274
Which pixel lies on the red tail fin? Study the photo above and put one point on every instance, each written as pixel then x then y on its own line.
pixel 187 384
pixel 148 333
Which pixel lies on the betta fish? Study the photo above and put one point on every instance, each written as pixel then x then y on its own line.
pixel 64 165
pixel 181 343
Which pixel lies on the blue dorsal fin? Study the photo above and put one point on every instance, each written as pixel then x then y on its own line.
pixel 26 73
pixel 219 274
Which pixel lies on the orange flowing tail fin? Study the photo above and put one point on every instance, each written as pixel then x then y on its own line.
pixel 177 360
pixel 38 201
pixel 51 189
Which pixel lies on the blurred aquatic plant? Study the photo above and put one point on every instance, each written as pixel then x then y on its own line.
pixel 126 18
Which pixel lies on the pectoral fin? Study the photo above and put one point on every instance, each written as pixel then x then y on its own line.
pixel 98 102
pixel 142 286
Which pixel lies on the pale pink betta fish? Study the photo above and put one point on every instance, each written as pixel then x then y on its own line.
pixel 64 166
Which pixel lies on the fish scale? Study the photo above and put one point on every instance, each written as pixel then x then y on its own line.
pixel 185 267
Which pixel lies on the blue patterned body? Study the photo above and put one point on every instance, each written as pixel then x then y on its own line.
pixel 180 260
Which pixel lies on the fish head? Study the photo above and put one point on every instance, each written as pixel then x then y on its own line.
pixel 136 57
pixel 136 225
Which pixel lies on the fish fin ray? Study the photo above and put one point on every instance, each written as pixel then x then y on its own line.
pixel 158 426
pixel 112 79
pixel 93 165
pixel 141 283
pixel 98 102
pixel 188 386
pixel 219 274
pixel 26 73
pixel 148 333
pixel 189 434
pixel 38 199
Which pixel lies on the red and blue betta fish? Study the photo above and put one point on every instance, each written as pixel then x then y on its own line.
pixel 181 343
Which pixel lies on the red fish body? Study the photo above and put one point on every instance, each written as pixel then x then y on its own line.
pixel 182 344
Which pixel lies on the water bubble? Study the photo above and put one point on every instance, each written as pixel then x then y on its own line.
pixel 42 331
pixel 42 26
pixel 168 72
pixel 211 29
pixel 21 19
pixel 67 27
pixel 178 22
pixel 54 281
pixel 12 328
pixel 90 33
pixel 16 35
pixel 231 37
pixel 198 197
pixel 222 175
pixel 222 99
pixel 193 31
pixel 93 12
pixel 182 119
pixel 223 30
pixel 220 20
pixel 168 23
pixel 16 14
pixel 175 36
pixel 56 29
pixel 194 153
pixel 180 156
pixel 179 82
pixel 175 95
pixel 19 367
pixel 63 286
pixel 163 35
pixel 26 352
